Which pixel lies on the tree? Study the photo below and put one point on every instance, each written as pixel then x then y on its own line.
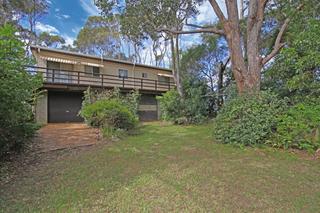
pixel 101 36
pixel 247 67
pixel 295 72
pixel 17 90
pixel 145 19
pixel 208 62
pixel 30 11
pixel 245 52
pixel 45 39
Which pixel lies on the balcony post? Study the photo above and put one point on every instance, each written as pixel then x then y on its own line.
pixel 122 82
pixel 53 73
pixel 169 85
pixel 141 83
pixel 156 84
pixel 102 80
pixel 78 78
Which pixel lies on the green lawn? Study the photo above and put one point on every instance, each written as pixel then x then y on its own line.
pixel 167 169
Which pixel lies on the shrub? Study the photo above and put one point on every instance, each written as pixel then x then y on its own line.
pixel 248 119
pixel 192 108
pixel 171 105
pixel 109 114
pixel 17 92
pixel 131 99
pixel 298 128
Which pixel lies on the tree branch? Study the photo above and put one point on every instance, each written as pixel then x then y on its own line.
pixel 226 63
pixel 197 26
pixel 278 45
pixel 217 10
pixel 204 30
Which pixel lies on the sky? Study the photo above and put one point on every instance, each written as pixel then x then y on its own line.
pixel 66 17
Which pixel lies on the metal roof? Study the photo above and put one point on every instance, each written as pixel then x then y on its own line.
pixel 97 57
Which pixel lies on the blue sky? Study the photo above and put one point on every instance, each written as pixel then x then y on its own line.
pixel 66 17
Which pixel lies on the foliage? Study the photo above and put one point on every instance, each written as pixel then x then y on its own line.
pixel 24 15
pixel 131 99
pixel 192 108
pixel 110 110
pixel 49 40
pixel 204 61
pixel 298 128
pixel 171 105
pixel 248 119
pixel 17 90
pixel 143 21
pixel 295 72
pixel 109 113
pixel 100 36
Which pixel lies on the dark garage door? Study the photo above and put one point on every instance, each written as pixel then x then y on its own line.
pixel 64 107
pixel 148 109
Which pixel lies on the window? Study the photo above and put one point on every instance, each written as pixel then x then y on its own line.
pixel 123 73
pixel 59 72
pixel 163 80
pixel 92 71
pixel 144 75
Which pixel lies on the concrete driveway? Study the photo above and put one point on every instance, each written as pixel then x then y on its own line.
pixel 66 135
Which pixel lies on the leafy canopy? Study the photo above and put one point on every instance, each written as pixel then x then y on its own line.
pixel 17 90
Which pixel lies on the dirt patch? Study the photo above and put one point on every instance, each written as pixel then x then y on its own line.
pixel 63 136
pixel 306 155
pixel 50 143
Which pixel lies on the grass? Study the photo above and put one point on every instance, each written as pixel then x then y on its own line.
pixel 167 169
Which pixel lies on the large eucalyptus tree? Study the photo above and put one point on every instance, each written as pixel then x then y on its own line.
pixel 148 17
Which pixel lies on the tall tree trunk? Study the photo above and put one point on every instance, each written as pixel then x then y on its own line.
pixel 246 65
pixel 221 72
pixel 175 64
pixel 232 27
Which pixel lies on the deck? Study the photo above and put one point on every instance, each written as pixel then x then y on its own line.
pixel 67 79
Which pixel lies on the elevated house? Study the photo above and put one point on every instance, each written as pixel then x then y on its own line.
pixel 66 75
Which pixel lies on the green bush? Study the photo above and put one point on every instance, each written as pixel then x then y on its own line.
pixel 131 99
pixel 171 105
pixel 17 92
pixel 109 114
pixel 298 128
pixel 193 107
pixel 248 120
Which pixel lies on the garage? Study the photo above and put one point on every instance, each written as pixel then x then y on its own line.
pixel 148 108
pixel 64 107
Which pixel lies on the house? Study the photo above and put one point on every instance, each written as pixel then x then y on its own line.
pixel 66 75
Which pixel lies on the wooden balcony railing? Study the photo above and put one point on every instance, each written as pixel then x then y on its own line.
pixel 80 78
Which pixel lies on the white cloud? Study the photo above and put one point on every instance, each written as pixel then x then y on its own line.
pixel 89 7
pixel 49 2
pixel 46 28
pixel 206 13
pixel 62 16
pixel 57 10
pixel 65 16
pixel 69 40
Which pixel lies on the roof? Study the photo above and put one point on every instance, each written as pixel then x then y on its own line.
pixel 97 57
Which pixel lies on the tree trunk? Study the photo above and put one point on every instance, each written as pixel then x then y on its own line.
pixel 245 56
pixel 221 71
pixel 175 65
pixel 220 85
pixel 247 75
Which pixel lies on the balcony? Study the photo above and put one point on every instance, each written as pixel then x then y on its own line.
pixel 59 78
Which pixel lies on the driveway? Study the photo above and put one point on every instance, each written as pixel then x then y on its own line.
pixel 66 135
